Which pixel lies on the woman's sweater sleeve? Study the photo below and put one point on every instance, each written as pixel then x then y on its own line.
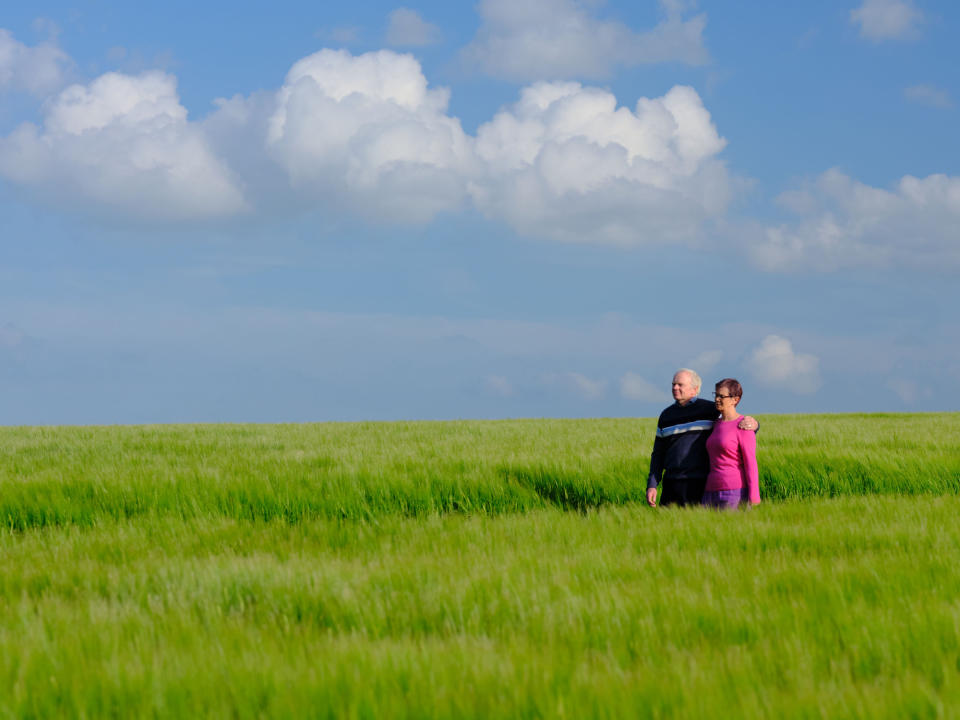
pixel 748 463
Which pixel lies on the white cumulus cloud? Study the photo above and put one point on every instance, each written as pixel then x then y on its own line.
pixel 887 19
pixel 774 363
pixel 635 387
pixel 563 39
pixel 365 136
pixel 408 29
pixel 566 163
pixel 844 223
pixel 121 143
pixel 366 133
pixel 38 70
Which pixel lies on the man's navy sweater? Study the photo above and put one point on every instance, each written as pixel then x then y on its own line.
pixel 680 448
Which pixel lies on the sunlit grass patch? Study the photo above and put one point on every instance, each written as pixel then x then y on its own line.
pixel 475 569
pixel 845 607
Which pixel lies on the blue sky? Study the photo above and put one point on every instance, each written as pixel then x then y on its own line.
pixel 309 211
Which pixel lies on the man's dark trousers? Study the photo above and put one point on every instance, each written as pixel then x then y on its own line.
pixel 688 491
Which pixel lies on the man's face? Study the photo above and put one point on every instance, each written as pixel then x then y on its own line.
pixel 683 388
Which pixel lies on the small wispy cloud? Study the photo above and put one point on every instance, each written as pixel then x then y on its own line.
pixel 706 361
pixel 928 95
pixel 341 35
pixel 635 387
pixel 39 70
pixel 808 38
pixel 499 385
pixel 48 27
pixel 11 336
pixel 578 384
pixel 887 20
pixel 906 390
pixel 408 29
pixel 560 39
pixel 117 53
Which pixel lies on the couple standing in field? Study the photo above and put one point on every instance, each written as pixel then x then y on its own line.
pixel 705 453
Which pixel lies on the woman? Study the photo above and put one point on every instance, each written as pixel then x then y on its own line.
pixel 733 477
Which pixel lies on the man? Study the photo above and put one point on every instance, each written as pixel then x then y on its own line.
pixel 679 457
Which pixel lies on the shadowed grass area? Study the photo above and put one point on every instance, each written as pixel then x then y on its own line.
pixel 359 471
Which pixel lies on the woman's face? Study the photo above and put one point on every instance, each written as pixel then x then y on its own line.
pixel 724 400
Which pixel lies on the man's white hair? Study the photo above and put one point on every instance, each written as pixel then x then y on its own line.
pixel 697 382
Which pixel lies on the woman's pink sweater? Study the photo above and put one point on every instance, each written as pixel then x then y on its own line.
pixel 733 459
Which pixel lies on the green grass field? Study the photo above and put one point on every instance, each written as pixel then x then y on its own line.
pixel 475 569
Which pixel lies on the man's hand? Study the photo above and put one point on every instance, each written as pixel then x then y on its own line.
pixel 748 423
pixel 652 497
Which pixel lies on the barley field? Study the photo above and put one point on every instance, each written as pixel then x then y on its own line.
pixel 475 569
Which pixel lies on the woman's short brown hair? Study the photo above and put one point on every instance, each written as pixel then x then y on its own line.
pixel 732 387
